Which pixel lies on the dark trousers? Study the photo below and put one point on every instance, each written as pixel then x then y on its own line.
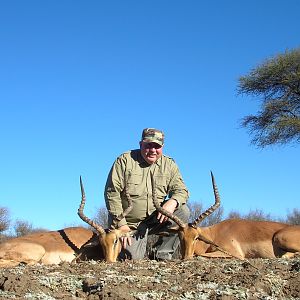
pixel 165 247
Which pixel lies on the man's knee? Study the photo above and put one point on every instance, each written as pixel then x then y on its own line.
pixel 183 212
pixel 137 249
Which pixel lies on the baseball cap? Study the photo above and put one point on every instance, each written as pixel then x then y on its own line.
pixel 152 135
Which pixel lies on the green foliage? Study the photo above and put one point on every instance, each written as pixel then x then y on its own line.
pixel 277 83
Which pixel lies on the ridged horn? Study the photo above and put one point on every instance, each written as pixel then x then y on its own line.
pixel 83 216
pixel 177 220
pixel 210 210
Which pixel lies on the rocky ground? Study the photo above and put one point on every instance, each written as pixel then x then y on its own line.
pixel 200 278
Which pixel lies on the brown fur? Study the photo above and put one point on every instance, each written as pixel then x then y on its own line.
pixel 54 247
pixel 242 239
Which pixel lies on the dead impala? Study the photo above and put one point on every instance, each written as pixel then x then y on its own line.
pixel 233 237
pixel 54 247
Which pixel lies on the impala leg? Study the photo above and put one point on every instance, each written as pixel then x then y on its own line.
pixel 8 263
pixel 290 254
pixel 216 254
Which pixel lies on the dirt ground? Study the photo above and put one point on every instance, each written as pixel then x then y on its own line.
pixel 200 278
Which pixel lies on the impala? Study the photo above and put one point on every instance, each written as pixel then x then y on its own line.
pixel 233 237
pixel 54 247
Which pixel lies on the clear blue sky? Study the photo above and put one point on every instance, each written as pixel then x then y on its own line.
pixel 79 80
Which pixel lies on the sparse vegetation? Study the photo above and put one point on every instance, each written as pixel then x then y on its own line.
pixel 4 223
pixel 22 228
pixel 197 208
pixel 255 215
pixel 294 217
pixel 9 229
pixel 4 219
pixel 276 82
pixel 101 217
pixel 199 278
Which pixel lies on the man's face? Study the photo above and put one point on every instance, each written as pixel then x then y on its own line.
pixel 151 152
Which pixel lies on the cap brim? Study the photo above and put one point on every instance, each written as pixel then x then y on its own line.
pixel 153 141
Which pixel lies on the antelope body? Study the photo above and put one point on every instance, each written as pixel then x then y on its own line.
pixel 233 237
pixel 54 247
pixel 244 239
pixel 50 247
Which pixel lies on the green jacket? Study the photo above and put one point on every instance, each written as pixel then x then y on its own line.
pixel 130 167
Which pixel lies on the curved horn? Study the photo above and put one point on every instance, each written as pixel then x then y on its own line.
pixel 82 215
pixel 178 221
pixel 210 210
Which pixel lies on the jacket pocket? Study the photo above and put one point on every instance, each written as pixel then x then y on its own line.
pixel 134 182
pixel 162 182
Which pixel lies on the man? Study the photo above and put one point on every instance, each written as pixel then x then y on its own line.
pixel 134 168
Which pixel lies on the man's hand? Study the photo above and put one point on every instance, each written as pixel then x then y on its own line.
pixel 125 240
pixel 169 206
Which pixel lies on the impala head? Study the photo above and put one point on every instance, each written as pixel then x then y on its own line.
pixel 188 233
pixel 109 239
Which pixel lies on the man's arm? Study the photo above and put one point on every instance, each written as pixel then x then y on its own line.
pixel 177 188
pixel 178 193
pixel 113 188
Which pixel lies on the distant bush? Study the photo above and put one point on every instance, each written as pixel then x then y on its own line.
pixel 101 217
pixel 22 228
pixel 234 215
pixel 293 217
pixel 255 215
pixel 214 218
pixel 4 219
pixel 258 215
pixel 196 209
